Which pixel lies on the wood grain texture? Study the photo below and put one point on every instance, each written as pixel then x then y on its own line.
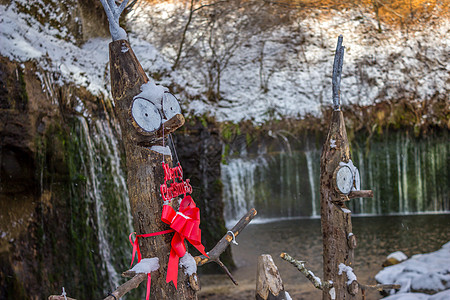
pixel 268 280
pixel 145 172
pixel 336 221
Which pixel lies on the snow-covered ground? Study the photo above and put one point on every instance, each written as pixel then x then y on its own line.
pixel 388 66
pixel 383 66
pixel 428 272
pixel 23 38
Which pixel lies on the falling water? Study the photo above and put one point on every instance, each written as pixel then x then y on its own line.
pixel 309 162
pixel 104 187
pixel 407 175
pixel 239 177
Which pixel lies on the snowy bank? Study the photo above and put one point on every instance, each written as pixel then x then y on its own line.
pixel 383 67
pixel 428 273
pixel 294 78
pixel 23 38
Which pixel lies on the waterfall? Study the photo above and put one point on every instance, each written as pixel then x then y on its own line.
pixel 105 188
pixel 239 177
pixel 419 193
pixel 405 143
pixel 399 177
pixel 407 175
pixel 309 162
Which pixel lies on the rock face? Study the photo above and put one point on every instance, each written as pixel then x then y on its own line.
pixel 41 246
pixel 199 148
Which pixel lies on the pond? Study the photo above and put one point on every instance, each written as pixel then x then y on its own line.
pixel 377 237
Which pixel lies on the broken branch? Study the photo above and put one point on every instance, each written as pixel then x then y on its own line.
pixel 379 287
pixel 300 265
pixel 127 286
pixel 214 254
pixel 361 194
pixel 337 72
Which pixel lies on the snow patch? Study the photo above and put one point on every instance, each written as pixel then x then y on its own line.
pixel 346 210
pixel 164 150
pixel 288 297
pixel 398 256
pixel 444 295
pixel 332 143
pixel 317 279
pixel 332 293
pixel 421 272
pixel 146 265
pixel 124 48
pixel 152 92
pixel 349 271
pixel 188 263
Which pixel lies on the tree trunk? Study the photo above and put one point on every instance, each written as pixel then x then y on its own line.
pixel 336 219
pixel 145 172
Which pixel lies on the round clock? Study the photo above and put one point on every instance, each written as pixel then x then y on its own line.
pixel 146 114
pixel 357 179
pixel 170 105
pixel 343 179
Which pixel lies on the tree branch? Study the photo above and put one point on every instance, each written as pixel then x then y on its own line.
pixel 337 72
pixel 379 287
pixel 118 293
pixel 317 282
pixel 300 265
pixel 127 286
pixel 361 194
pixel 214 254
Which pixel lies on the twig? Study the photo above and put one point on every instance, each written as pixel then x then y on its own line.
pixel 337 72
pixel 127 286
pixel 317 282
pixel 59 297
pixel 380 287
pixel 214 254
pixel 361 194
pixel 300 265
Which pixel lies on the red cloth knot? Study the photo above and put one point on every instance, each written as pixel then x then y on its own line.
pixel 186 224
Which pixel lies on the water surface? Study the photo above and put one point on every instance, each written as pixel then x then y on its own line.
pixel 377 237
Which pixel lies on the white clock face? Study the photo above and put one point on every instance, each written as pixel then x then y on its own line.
pixel 170 106
pixel 357 180
pixel 146 114
pixel 344 180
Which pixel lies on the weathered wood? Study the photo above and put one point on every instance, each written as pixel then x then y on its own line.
pixel 335 217
pixel 145 172
pixel 361 194
pixel 380 287
pixel 127 286
pixel 268 280
pixel 214 254
pixel 337 72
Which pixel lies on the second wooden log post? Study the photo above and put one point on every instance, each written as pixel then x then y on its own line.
pixel 339 178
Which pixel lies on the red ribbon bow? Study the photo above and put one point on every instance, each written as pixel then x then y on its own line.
pixel 186 224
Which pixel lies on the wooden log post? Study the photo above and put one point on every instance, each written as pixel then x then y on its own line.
pixel 338 178
pixel 269 285
pixel 144 166
pixel 145 122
